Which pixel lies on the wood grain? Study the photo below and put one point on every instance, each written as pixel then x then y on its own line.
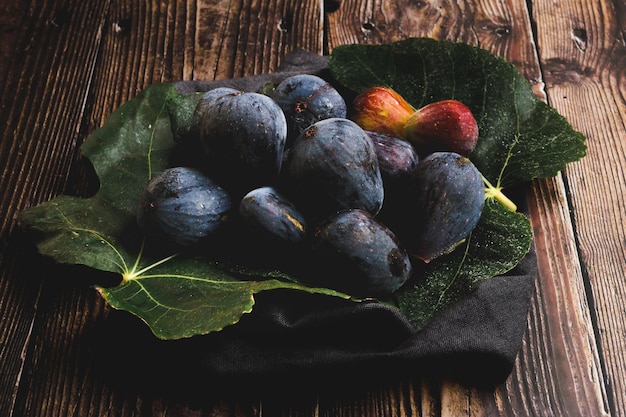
pixel 11 17
pixel 238 39
pixel 42 100
pixel 584 59
pixel 560 309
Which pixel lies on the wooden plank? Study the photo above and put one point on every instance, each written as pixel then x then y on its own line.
pixel 234 39
pixel 12 15
pixel 504 28
pixel 16 332
pixel 41 107
pixel 584 55
pixel 559 365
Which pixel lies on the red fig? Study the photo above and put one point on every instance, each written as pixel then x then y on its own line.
pixel 446 125
pixel 381 109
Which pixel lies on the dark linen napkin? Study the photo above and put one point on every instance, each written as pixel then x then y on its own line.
pixel 295 334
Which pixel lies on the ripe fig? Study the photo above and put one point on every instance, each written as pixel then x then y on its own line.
pixel 381 109
pixel 451 196
pixel 187 129
pixel 447 125
pixel 306 99
pixel 398 161
pixel 332 166
pixel 359 255
pixel 397 158
pixel 269 231
pixel 207 100
pixel 182 206
pixel 243 135
pixel 273 216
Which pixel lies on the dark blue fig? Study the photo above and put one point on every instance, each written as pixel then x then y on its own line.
pixel 272 216
pixel 397 158
pixel 398 163
pixel 359 255
pixel 268 231
pixel 189 131
pixel 183 207
pixel 451 195
pixel 244 135
pixel 207 100
pixel 190 152
pixel 306 99
pixel 333 166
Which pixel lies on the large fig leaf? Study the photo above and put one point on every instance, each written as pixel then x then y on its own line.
pixel 176 296
pixel 520 136
pixel 190 296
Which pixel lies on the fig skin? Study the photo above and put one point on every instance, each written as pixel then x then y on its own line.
pixel 447 125
pixel 381 109
pixel 306 99
pixel 207 100
pixel 333 166
pixel 267 231
pixel 243 135
pixel 359 255
pixel 182 207
pixel 272 216
pixel 398 162
pixel 397 159
pixel 450 196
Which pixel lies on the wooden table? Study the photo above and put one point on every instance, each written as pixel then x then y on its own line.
pixel 66 65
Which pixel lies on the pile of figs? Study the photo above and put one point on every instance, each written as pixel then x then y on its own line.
pixel 345 197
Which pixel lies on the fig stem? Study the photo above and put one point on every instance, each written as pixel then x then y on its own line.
pixel 496 193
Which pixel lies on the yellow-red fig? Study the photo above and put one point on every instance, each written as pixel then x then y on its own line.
pixel 447 125
pixel 381 109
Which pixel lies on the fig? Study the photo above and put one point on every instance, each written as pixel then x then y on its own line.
pixel 271 215
pixel 359 255
pixel 306 99
pixel 182 206
pixel 207 101
pixel 398 161
pixel 243 135
pixel 332 166
pixel 268 231
pixel 383 110
pixel 450 195
pixel 186 121
pixel 447 125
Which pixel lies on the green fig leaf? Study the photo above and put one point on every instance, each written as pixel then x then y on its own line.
pixel 520 136
pixel 186 297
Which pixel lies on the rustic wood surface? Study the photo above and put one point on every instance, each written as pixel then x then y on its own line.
pixel 66 65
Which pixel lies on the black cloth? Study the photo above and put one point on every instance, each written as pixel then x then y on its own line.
pixel 297 335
